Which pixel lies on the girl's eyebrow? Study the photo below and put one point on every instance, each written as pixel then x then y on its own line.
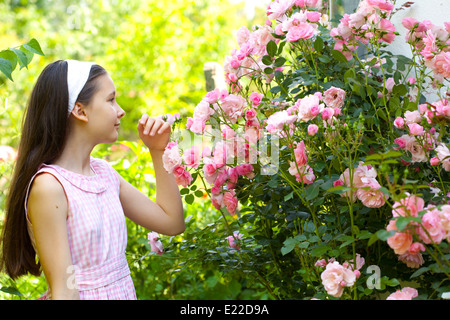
pixel 112 93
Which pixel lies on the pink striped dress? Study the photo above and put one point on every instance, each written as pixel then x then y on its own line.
pixel 97 232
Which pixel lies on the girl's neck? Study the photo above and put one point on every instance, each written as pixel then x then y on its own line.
pixel 76 158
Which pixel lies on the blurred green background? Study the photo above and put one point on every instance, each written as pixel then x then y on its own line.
pixel 155 52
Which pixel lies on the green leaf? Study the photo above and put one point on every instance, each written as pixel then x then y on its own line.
pixel 34 47
pixel 289 245
pixel 279 62
pixel 339 56
pixel 318 44
pixel 271 48
pixel 312 191
pixel 22 58
pixel 317 252
pixel 189 199
pixel 6 68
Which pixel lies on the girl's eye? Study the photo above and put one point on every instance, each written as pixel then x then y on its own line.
pixel 111 100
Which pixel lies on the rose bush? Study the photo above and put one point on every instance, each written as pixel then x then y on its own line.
pixel 328 163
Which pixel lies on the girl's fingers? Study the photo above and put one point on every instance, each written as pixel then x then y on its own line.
pixel 149 125
pixel 164 127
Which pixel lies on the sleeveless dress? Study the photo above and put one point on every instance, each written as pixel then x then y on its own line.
pixel 97 232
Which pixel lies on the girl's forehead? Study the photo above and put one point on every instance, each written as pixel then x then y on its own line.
pixel 105 83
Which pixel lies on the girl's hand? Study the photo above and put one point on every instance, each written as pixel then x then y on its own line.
pixel 154 132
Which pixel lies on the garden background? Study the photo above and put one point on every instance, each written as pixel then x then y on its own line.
pixel 155 53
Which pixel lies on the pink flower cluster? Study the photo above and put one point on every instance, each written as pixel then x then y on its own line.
pixel 369 22
pixel 418 141
pixel 336 277
pixel 431 43
pixel 173 163
pixel 407 293
pixel 434 227
pixel 232 240
pixel 155 243
pixel 7 153
pixel 302 172
pixel 363 179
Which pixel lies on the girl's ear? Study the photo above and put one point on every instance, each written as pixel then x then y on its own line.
pixel 79 112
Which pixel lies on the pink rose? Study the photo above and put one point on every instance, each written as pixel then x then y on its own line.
pixel 431 222
pixel 399 123
pixel 408 207
pixel 443 154
pixel 256 98
pixel 406 293
pixel 171 158
pixel 327 113
pixel 442 64
pixel 400 241
pixel 334 97
pixel 415 129
pixel 192 156
pixel 182 176
pixel 233 106
pixel 313 16
pixel 312 129
pixel 232 240
pixel 409 22
pixel 230 201
pixel 301 31
pixel 335 277
pixel 371 197
pixel 155 243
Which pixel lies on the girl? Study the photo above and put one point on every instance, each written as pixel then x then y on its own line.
pixel 68 207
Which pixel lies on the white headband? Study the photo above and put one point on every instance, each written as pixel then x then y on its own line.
pixel 77 75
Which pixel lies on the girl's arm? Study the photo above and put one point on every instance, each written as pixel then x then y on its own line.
pixel 166 215
pixel 47 211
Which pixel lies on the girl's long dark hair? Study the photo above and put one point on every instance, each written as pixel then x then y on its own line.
pixel 44 131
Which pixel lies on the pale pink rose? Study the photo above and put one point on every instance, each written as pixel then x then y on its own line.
pixel 327 113
pixel 182 176
pixel 431 222
pixel 418 153
pixel 245 169
pixel 192 156
pixel 260 38
pixel 371 197
pixel 222 177
pixel 335 277
pixel 230 201
pixel 7 153
pixel 256 98
pixel 277 9
pixel 276 121
pixel 430 47
pixel 399 123
pixel 308 107
pixel 444 215
pixel 250 114
pixel 232 240
pixel 409 206
pixel 411 80
pixel 409 22
pixel 442 64
pixel 312 129
pixel 389 29
pixel 346 181
pixel 320 263
pixel 443 154
pixel 389 84
pixel 210 170
pixel 415 129
pixel 413 117
pixel 334 97
pixel 300 153
pixel 301 31
pixel 313 16
pixel 400 241
pixel 233 106
pixel 381 4
pixel 171 158
pixel 303 173
pixel 363 174
pixel 217 200
pixel 406 293
pixel 196 125
pixel 155 243
pixel 242 35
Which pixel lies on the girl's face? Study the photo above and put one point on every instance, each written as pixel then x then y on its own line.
pixel 103 112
